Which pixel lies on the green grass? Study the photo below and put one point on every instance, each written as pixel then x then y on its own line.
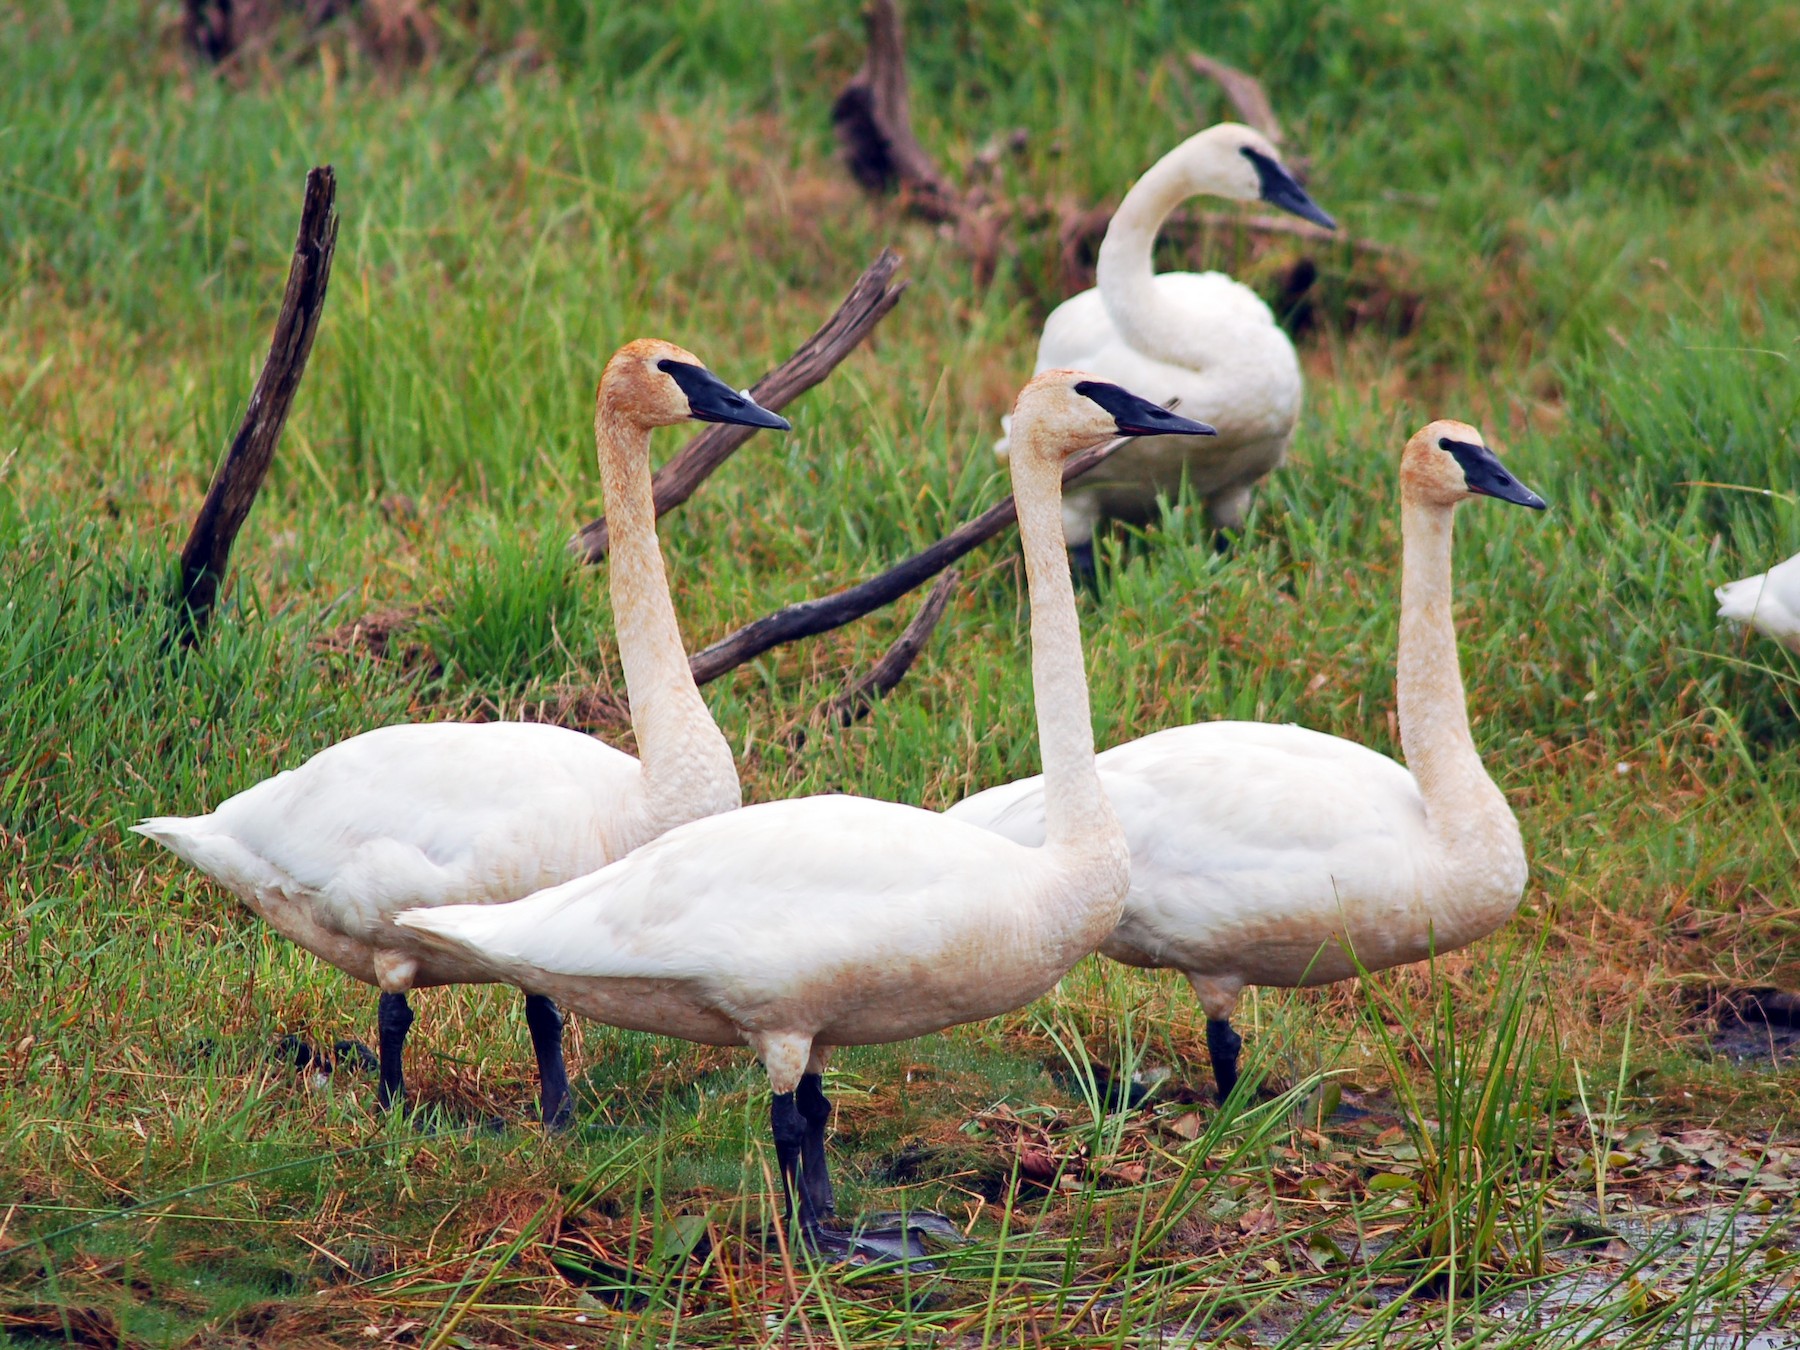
pixel 1591 208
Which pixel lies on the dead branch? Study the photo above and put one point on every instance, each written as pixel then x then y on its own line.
pixel 868 302
pixel 874 124
pixel 809 618
pixel 875 136
pixel 852 703
pixel 1243 91
pixel 246 464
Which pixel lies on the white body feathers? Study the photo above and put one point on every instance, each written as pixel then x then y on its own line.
pixel 452 813
pixel 417 815
pixel 1267 854
pixel 840 919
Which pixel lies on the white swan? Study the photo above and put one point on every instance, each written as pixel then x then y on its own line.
pixel 1768 602
pixel 1199 337
pixel 796 926
pixel 451 813
pixel 1265 854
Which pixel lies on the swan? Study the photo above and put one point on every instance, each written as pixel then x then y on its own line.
pixel 1274 855
pixel 1769 601
pixel 1199 337
pixel 448 813
pixel 797 926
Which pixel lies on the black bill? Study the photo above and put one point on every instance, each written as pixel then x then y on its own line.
pixel 1280 189
pixel 1488 477
pixel 710 399
pixel 1138 416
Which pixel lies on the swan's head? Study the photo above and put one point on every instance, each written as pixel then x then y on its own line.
pixel 1233 160
pixel 1448 462
pixel 658 384
pixel 1062 411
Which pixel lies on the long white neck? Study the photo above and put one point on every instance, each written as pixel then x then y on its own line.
pixel 1125 273
pixel 687 766
pixel 1465 812
pixel 1078 815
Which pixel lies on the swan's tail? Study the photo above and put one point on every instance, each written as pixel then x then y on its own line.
pixel 184 836
pixel 468 930
pixel 1738 599
pixel 199 842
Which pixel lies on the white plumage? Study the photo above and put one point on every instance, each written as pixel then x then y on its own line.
pixel 1275 855
pixel 1768 602
pixel 1201 338
pixel 797 926
pixel 456 813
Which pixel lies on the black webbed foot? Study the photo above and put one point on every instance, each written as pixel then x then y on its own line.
pixel 903 1242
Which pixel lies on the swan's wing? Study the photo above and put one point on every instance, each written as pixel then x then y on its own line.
pixel 1234 825
pixel 418 814
pixel 775 896
pixel 1013 810
pixel 1216 298
pixel 1239 798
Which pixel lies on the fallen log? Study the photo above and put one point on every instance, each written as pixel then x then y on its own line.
pixel 809 618
pixel 874 125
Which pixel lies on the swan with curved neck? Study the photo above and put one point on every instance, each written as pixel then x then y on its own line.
pixel 447 813
pixel 797 926
pixel 1199 337
pixel 1273 855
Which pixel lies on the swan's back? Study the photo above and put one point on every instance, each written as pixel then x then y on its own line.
pixel 1259 785
pixel 418 814
pixel 866 868
pixel 1248 842
pixel 868 920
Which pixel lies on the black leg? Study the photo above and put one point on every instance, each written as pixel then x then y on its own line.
pixel 1223 1044
pixel 789 1129
pixel 546 1026
pixel 394 1020
pixel 798 1120
pixel 815 1172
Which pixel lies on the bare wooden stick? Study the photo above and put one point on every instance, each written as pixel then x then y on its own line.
pixel 852 703
pixel 1243 91
pixel 869 300
pixel 809 618
pixel 240 475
